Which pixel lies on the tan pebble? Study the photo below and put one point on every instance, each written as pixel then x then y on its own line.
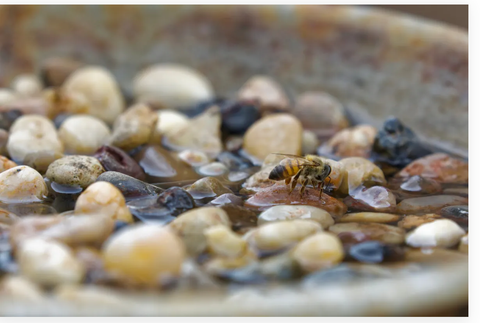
pixel 369 217
pixel 6 163
pixel 439 233
pixel 61 101
pixel 171 86
pixel 259 180
pixel 281 234
pixel 413 221
pixel 101 90
pixel 26 85
pixel 191 224
pixel 463 246
pixel 22 184
pixel 319 251
pixel 48 263
pixel 40 160
pixel 277 133
pixel 20 288
pixel 104 199
pixel 360 172
pixel 223 242
pixel 194 158
pixel 294 212
pixel 265 90
pixel 134 127
pixel 83 134
pixel 310 142
pixel 144 253
pixel 373 231
pixel 352 142
pixel 219 265
pixel 207 187
pixel 168 121
pixel 75 170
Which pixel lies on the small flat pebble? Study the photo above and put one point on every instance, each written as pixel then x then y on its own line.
pixel 375 252
pixel 168 121
pixel 294 212
pixel 208 187
pixel 227 198
pixel 194 158
pixel 439 233
pixel 351 142
pixel 242 218
pixel 373 199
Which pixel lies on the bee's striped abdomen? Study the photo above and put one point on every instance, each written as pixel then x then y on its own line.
pixel 287 168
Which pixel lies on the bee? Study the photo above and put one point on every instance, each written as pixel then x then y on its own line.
pixel 306 170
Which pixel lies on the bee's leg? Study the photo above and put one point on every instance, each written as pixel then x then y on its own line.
pixel 293 184
pixel 304 186
pixel 288 180
pixel 320 187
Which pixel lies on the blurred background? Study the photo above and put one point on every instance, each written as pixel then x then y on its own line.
pixel 451 14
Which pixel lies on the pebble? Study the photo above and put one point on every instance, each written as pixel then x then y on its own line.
pixel 367 217
pixel 238 116
pixel 376 198
pixel 116 160
pixel 310 142
pixel 294 212
pixel 278 194
pixel 463 246
pixel 104 199
pixel 442 233
pixel 223 242
pixel 233 143
pixel 149 210
pixel 55 70
pixel 213 169
pixel 228 198
pixel 462 191
pixel 440 167
pixel 75 170
pixel 144 254
pixel 131 188
pixel 259 180
pixel 375 252
pixel 242 218
pixel 202 133
pixel 22 209
pixel 360 172
pixel 207 187
pixel 6 163
pixel 20 288
pixel 191 224
pixel 457 213
pixel 40 160
pixel 281 234
pixel 373 231
pixel 3 141
pixel 48 263
pixel 266 91
pixel 319 251
pixel 320 112
pixel 161 165
pixel 171 86
pixel 30 227
pixel 176 200
pixel 351 142
pixel 37 105
pixel 22 184
pixel 414 186
pixel 7 217
pixel 100 89
pixel 238 177
pixel 233 161
pixel 32 133
pixel 277 133
pixel 168 121
pixel 83 134
pixel 413 221
pixel 26 85
pixel 63 101
pixel 194 158
pixel 429 204
pixel 8 117
pixel 228 268
pixel 134 127
pixel 7 96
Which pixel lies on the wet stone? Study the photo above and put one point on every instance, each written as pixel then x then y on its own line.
pixel 130 187
pixel 207 187
pixel 457 213
pixel 414 186
pixel 413 221
pixel 429 204
pixel 319 251
pixel 375 252
pixel 161 165
pixel 259 180
pixel 194 158
pixel 278 194
pixel 213 169
pixel 367 217
pixel 238 116
pixel 240 217
pixel 358 173
pixel 150 211
pixel 293 212
pixel 233 161
pixel 228 198
pixel 375 198
pixel 374 231
pixel 75 170
pixel 462 191
pixel 23 209
pixel 115 159
pixel 176 200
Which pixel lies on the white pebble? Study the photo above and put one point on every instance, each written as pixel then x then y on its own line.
pixel 27 85
pixel 22 184
pixel 439 233
pixel 296 212
pixel 83 134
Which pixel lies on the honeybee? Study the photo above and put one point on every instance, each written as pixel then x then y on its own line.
pixel 306 170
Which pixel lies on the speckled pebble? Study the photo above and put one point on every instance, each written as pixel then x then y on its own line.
pixel 75 170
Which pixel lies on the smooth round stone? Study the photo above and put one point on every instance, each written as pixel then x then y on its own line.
pixel 463 246
pixel 413 184
pixel 242 218
pixel 22 184
pixel 26 85
pixel 319 251
pixel 352 142
pixel 134 127
pixel 278 194
pixel 277 133
pixel 429 204
pixel 201 133
pixel 171 86
pixel 369 217
pixel 238 116
pixel 144 254
pixel 176 200
pixel 115 159
pixel 213 169
pixel 48 263
pixel 207 187
pixel 6 163
pixel 100 89
pixel 373 231
pixel 266 91
pixel 191 224
pixel 320 112
pixel 374 252
pixel 359 172
pixel 168 121
pixel 131 188
pixel 104 199
pixel 55 70
pixel 376 198
pixel 194 158
pixel 40 160
pixel 63 101
pixel 440 167
pixel 223 242
pixel 294 212
pixel 227 198
pixel 21 289
pixel 439 233
pixel 413 221
pixel 75 170
pixel 310 142
pixel 83 134
pixel 281 234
